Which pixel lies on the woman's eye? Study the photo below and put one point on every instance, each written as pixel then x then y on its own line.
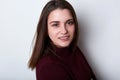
pixel 54 25
pixel 70 22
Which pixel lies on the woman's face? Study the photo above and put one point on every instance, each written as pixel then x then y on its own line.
pixel 61 27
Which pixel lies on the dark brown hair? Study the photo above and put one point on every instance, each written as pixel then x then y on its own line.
pixel 41 37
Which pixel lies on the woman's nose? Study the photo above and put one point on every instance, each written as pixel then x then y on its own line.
pixel 64 29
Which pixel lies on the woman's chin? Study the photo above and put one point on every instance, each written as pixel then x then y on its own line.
pixel 62 45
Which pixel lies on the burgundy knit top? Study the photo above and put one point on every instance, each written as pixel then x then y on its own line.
pixel 66 65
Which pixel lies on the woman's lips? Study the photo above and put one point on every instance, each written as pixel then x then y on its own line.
pixel 64 38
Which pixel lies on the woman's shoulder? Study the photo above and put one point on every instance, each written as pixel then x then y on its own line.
pixel 49 68
pixel 78 50
pixel 46 60
pixel 79 53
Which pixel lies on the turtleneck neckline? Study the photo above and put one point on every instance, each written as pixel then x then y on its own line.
pixel 63 52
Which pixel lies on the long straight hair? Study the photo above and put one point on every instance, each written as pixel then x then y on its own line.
pixel 41 36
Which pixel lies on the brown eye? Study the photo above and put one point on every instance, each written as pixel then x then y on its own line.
pixel 55 25
pixel 70 22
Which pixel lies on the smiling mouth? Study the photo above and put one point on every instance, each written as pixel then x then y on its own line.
pixel 64 38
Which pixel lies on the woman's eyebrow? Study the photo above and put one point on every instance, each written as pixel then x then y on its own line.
pixel 59 21
pixel 54 22
pixel 69 20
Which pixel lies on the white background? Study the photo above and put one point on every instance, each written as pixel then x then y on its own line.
pixel 99 36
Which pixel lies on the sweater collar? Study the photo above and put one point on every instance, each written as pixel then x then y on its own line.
pixel 63 52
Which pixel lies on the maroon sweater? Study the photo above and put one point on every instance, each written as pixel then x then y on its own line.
pixel 67 66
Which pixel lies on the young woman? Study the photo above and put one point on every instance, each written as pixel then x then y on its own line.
pixel 56 55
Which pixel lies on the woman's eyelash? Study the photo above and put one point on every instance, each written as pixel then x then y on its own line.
pixel 70 22
pixel 55 24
